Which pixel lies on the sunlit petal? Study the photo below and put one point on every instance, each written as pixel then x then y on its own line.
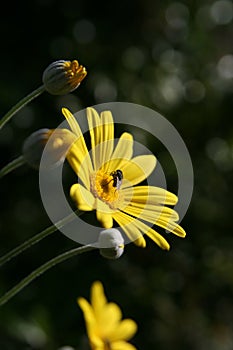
pixel 138 169
pixel 83 198
pixel 95 134
pixel 98 299
pixel 150 195
pixel 125 330
pixel 104 214
pixel 122 345
pixel 105 219
pixel 131 225
pixel 172 227
pixel 128 225
pixel 106 137
pixel 102 136
pixel 152 213
pixel 163 217
pixel 80 163
pixel 156 237
pixel 109 320
pixel 122 153
pixel 89 315
pixel 78 155
pixel 73 124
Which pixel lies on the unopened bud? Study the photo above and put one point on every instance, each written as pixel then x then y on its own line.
pixel 111 243
pixel 59 141
pixel 62 77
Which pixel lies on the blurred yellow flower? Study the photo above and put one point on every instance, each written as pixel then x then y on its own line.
pixel 109 175
pixel 105 328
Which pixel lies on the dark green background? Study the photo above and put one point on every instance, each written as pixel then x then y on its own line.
pixel 164 55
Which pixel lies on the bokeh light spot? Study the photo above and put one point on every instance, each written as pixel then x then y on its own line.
pixel 222 11
pixel 225 67
pixel 84 31
pixel 133 58
pixel 177 15
pixel 218 150
pixel 194 91
pixel 105 90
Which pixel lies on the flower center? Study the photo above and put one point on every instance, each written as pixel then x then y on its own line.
pixel 106 186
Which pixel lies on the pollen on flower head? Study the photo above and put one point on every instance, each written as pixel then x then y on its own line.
pixel 62 77
pixel 102 187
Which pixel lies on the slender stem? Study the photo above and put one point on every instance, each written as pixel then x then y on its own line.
pixel 36 273
pixel 16 163
pixel 21 104
pixel 38 237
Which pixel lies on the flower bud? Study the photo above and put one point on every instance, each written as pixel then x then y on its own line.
pixel 62 77
pixel 111 243
pixel 59 141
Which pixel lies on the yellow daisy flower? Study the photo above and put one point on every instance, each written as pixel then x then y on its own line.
pixel 105 328
pixel 109 178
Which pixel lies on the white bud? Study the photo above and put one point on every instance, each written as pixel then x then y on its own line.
pixel 111 243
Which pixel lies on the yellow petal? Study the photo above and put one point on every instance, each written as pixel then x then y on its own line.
pixel 108 320
pixel 105 220
pixel 72 122
pixel 107 314
pixel 172 227
pixel 128 225
pixel 160 216
pixel 98 298
pixel 122 153
pixel 155 236
pixel 138 226
pixel 125 330
pixel 107 137
pixel 82 197
pixel 179 231
pixel 104 214
pixel 89 315
pixel 94 123
pixel 95 133
pixel 112 314
pixel 150 195
pixel 86 309
pixel 151 213
pixel 78 155
pixel 140 242
pixel 122 345
pixel 80 163
pixel 158 239
pixel 137 169
pixel 102 136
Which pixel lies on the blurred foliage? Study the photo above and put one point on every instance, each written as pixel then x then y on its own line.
pixel 176 58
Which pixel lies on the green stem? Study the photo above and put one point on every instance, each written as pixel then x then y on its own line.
pixel 38 237
pixel 21 104
pixel 36 273
pixel 16 163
